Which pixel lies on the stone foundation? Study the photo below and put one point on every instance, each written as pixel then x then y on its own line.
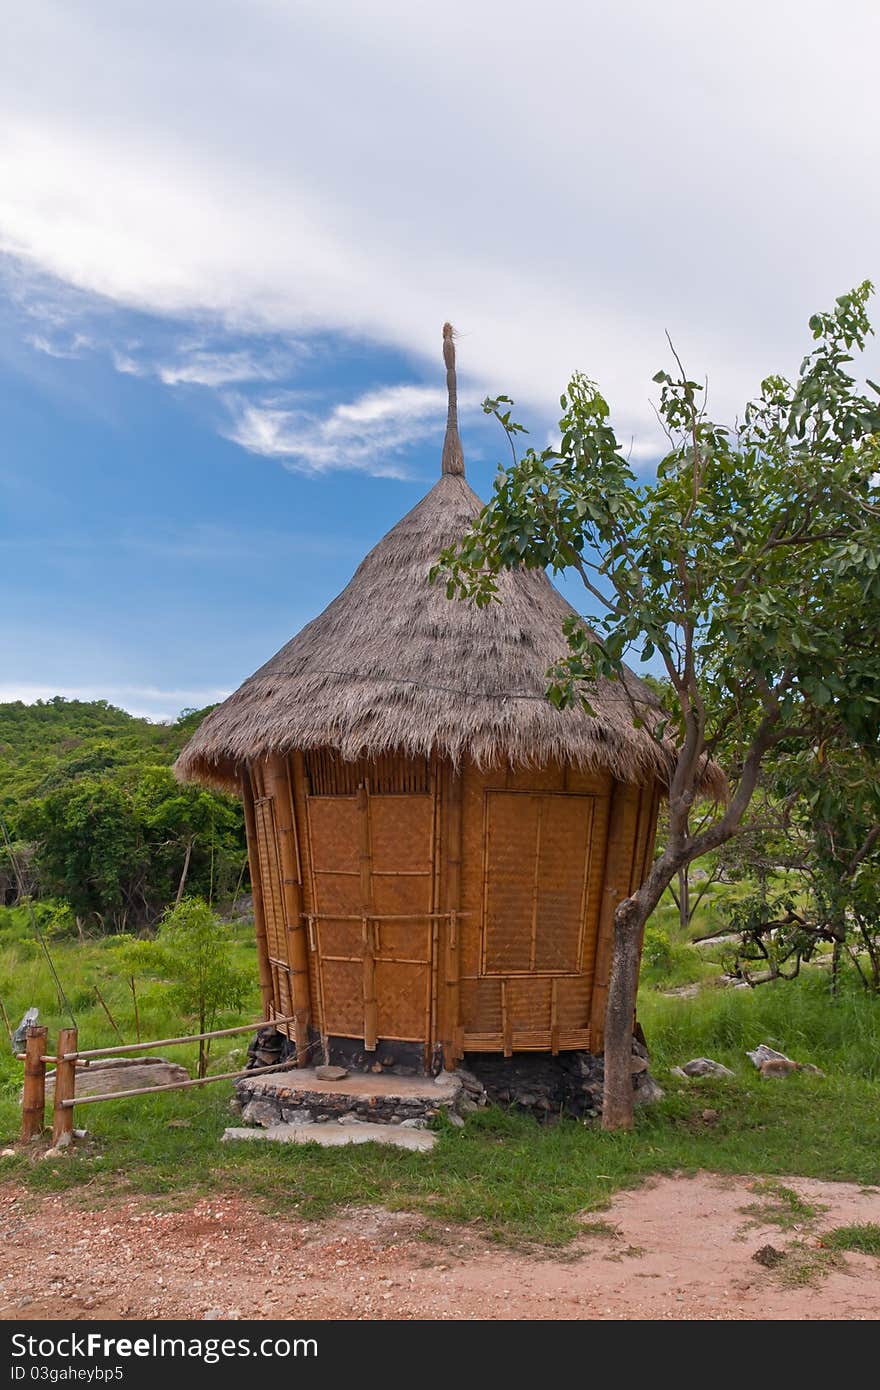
pixel 548 1087
pixel 383 1088
pixel 301 1097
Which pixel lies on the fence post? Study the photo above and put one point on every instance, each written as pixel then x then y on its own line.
pixel 33 1099
pixel 65 1086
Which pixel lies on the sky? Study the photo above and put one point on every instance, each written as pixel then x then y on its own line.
pixel 230 232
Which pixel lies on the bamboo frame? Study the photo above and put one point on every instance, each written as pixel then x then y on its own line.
pixel 172 1042
pixel 452 894
pixel 33 1102
pixel 278 786
pixel 267 989
pixel 65 1086
pixel 177 1085
pixel 371 1004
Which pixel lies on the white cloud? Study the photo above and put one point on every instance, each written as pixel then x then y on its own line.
pixel 563 183
pixel 148 702
pixel 369 433
pixel 77 345
pixel 202 368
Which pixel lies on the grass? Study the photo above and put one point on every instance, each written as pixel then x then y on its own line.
pixel 780 1206
pixel 502 1173
pixel 864 1237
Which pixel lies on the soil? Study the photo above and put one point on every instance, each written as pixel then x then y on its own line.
pixel 675 1248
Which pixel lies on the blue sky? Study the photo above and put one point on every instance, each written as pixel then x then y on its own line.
pixel 160 534
pixel 230 233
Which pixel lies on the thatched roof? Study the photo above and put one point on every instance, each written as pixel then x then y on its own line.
pixel 392 664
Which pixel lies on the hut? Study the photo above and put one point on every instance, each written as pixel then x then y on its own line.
pixel 436 852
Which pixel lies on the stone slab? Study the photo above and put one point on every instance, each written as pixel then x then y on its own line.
pixel 331 1135
pixel 358 1085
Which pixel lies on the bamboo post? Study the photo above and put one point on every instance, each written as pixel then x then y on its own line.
pixel 453 907
pixel 280 789
pixel 33 1101
pixel 371 1008
pixel 267 993
pixel 65 1085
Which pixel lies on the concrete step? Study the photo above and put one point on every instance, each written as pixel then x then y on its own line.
pixel 300 1095
pixel 330 1135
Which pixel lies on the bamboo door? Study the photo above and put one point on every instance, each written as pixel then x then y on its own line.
pixel 372 924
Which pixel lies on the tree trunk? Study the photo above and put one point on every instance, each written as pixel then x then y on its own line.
pixel 684 898
pixel 617 1105
pixel 183 875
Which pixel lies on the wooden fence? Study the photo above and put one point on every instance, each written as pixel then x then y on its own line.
pixel 68 1058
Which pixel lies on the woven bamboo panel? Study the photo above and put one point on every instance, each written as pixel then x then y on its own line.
pixel 528 1001
pixel 334 833
pixel 481 1005
pixel 509 884
pixel 573 994
pixel 403 1000
pixel 270 878
pixel 338 894
pixel 336 938
pixel 536 862
pixel 563 861
pixel 401 828
pixel 343 991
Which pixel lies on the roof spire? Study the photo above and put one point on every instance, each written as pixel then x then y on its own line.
pixel 453 456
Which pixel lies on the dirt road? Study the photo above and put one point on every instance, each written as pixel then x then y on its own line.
pixel 675 1248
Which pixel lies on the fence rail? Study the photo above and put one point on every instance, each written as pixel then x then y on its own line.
pixel 67 1058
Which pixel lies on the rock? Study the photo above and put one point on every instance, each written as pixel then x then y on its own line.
pixel 710 1117
pixel 455 1119
pixel 679 1072
pixel 704 1066
pixel 763 1053
pixel 771 1063
pixel 648 1091
pixel 53 1153
pixel 466 1106
pixel 637 1065
pixel 7 1153
pixel 235 1105
pixel 377 1068
pixel 212 1315
pixel 261 1112
pixel 413 1124
pixel 296 1115
pixel 782 1066
pixel 328 1073
pixel 121 1074
pixel 777 1066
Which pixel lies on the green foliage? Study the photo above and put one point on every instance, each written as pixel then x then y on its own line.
pixel 101 822
pixel 750 565
pixel 657 948
pixel 193 952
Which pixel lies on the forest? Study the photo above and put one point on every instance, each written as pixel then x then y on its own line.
pixel 95 822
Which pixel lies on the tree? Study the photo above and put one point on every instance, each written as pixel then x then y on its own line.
pixel 748 568
pixel 193 951
pixel 828 808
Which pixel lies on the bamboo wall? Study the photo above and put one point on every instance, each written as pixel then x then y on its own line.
pixel 404 901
